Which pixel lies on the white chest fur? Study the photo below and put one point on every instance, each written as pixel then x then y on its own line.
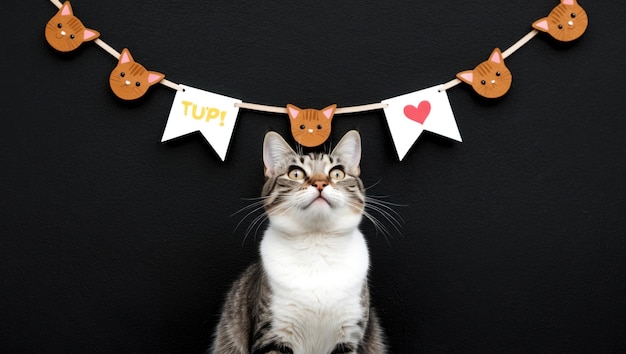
pixel 316 281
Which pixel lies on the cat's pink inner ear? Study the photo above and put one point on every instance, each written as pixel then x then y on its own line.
pixel 125 57
pixel 293 112
pixel 154 77
pixel 541 25
pixel 468 76
pixel 66 10
pixel 568 2
pixel 496 57
pixel 328 112
pixel 89 34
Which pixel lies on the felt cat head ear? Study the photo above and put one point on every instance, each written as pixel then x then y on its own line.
pixel 566 22
pixel 129 80
pixel 65 32
pixel 310 127
pixel 491 78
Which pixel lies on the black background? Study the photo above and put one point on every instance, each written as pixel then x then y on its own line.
pixel 513 241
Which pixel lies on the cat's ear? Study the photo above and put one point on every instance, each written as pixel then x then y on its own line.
pixel 293 111
pixel 329 111
pixel 466 76
pixel 66 9
pixel 568 2
pixel 496 56
pixel 125 56
pixel 541 24
pixel 348 151
pixel 90 35
pixel 275 152
pixel 154 77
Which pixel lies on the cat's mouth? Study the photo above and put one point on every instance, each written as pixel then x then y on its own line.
pixel 320 200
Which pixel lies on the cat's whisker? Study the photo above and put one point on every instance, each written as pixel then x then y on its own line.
pixel 385 206
pixel 258 221
pixel 390 218
pixel 252 212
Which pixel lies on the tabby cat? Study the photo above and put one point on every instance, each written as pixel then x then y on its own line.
pixel 65 32
pixel 129 80
pixel 566 22
pixel 310 127
pixel 491 78
pixel 309 292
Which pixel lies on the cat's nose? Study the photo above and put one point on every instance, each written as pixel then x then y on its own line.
pixel 63 33
pixel 127 82
pixel 320 185
pixel 310 131
pixel 570 23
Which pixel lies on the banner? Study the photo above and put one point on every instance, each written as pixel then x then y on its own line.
pixel 196 110
pixel 410 114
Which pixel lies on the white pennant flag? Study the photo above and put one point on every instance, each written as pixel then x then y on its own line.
pixel 410 114
pixel 213 115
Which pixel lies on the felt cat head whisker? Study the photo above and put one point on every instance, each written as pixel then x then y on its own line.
pixel 566 22
pixel 65 32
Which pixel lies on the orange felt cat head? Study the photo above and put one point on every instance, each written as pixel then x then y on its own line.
pixel 491 78
pixel 129 80
pixel 566 22
pixel 310 127
pixel 65 32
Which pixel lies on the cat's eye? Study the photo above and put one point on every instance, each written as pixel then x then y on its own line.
pixel 72 36
pixel 337 173
pixel 137 83
pixel 59 25
pixel 296 174
pixel 573 15
pixel 498 73
pixel 319 126
pixel 560 26
pixel 302 126
pixel 483 82
pixel 122 74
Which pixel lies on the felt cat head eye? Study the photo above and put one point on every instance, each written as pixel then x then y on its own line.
pixel 64 32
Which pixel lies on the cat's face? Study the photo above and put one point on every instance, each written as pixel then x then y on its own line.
pixel 566 22
pixel 129 80
pixel 64 32
pixel 317 191
pixel 310 127
pixel 491 78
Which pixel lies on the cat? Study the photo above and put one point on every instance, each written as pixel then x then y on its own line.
pixel 491 78
pixel 309 292
pixel 65 32
pixel 129 80
pixel 310 127
pixel 566 22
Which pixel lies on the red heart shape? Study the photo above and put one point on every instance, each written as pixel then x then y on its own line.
pixel 419 113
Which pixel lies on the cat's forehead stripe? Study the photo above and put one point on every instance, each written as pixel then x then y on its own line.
pixel 136 69
pixel 75 24
pixel 559 10
pixel 484 69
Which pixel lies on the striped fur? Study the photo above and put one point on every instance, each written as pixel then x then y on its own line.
pixel 309 292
